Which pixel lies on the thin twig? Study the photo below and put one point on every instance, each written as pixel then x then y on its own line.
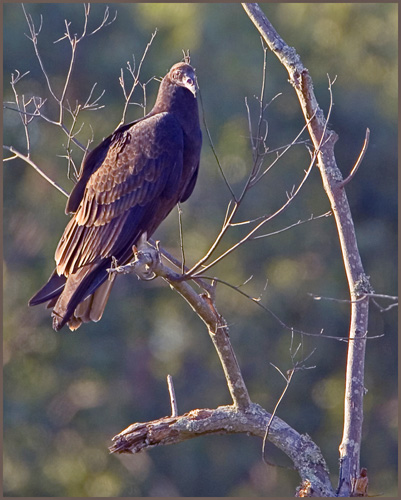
pixel 173 401
pixel 384 309
pixel 358 161
pixel 312 217
pixel 288 381
pixel 181 232
pixel 249 235
pixel 33 164
pixel 257 301
pixel 296 366
pixel 136 81
pixel 214 149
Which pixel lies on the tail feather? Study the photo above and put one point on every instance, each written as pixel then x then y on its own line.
pixel 92 308
pixel 51 290
pixel 84 296
pixel 78 299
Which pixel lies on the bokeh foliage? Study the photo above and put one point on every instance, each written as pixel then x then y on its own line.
pixel 66 395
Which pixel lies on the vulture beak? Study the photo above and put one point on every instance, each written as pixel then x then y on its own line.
pixel 190 84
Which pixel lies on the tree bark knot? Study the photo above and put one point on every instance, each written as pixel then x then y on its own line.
pixel 363 286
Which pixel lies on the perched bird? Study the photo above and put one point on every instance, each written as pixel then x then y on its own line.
pixel 126 187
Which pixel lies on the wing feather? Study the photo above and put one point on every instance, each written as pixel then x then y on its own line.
pixel 120 197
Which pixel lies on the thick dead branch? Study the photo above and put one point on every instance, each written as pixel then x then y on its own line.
pixel 303 452
pixel 324 140
pixel 241 417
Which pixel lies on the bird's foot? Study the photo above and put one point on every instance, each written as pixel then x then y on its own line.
pixel 145 260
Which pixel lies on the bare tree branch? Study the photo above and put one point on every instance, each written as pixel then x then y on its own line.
pixel 17 154
pixel 173 400
pixel 148 262
pixel 242 416
pixel 305 455
pixel 324 140
pixel 136 81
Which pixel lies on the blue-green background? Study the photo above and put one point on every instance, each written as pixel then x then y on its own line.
pixel 66 395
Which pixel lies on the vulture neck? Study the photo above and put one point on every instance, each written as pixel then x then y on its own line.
pixel 179 101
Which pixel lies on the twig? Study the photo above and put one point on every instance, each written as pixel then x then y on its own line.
pixel 312 217
pixel 382 296
pixel 33 164
pixel 358 162
pixel 136 82
pixel 384 309
pixel 173 401
pixel 214 150
pixel 181 232
pixel 269 423
pixel 296 366
pixel 372 296
pixel 21 108
pixel 193 271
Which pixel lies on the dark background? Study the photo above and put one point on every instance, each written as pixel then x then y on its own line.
pixel 66 395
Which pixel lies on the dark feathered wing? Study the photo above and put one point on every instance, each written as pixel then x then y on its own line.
pixel 130 193
pixel 125 196
pixel 127 186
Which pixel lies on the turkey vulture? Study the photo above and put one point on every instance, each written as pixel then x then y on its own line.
pixel 127 186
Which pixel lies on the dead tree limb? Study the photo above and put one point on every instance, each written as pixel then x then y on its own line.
pixel 304 453
pixel 358 282
pixel 242 416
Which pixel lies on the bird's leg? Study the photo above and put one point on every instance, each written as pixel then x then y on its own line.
pixel 145 258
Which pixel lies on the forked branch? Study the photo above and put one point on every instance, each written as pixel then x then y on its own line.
pixel 242 416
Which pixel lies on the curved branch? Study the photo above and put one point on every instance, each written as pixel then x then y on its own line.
pixel 241 417
pixel 304 453
pixel 358 161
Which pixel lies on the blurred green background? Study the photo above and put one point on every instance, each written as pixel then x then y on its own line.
pixel 66 395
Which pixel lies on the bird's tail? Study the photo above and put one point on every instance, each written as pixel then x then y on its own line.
pixel 49 291
pixel 78 299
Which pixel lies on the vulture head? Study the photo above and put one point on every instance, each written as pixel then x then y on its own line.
pixel 183 75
